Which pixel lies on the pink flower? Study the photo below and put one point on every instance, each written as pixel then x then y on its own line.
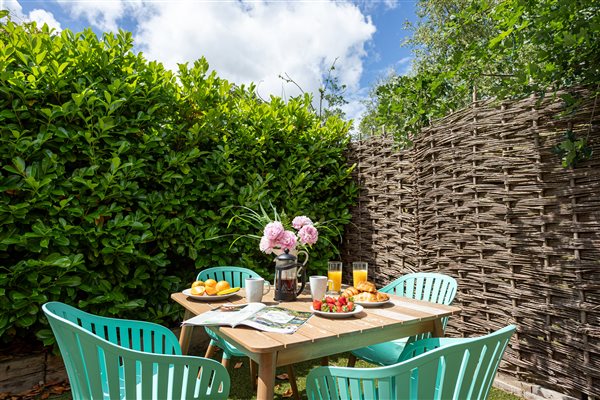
pixel 308 234
pixel 274 230
pixel 301 221
pixel 287 240
pixel 266 246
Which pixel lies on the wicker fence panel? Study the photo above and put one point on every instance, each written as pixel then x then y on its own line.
pixel 386 194
pixel 485 200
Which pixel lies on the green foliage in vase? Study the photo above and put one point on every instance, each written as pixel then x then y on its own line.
pixel 503 49
pixel 117 176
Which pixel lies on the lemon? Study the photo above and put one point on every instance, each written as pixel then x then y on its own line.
pixel 210 282
pixel 228 291
pixel 222 285
pixel 198 290
pixel 210 290
pixel 197 283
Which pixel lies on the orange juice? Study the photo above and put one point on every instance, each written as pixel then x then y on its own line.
pixel 336 278
pixel 359 275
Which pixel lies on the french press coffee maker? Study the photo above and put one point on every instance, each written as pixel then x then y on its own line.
pixel 287 272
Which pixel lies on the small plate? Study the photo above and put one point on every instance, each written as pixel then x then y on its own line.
pixel 357 309
pixel 371 304
pixel 205 297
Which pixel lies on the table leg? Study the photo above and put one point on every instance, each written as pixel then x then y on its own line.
pixel 185 336
pixel 438 328
pixel 266 376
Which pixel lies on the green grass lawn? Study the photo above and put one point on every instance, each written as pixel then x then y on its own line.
pixel 242 389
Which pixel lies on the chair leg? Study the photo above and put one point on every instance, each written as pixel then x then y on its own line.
pixel 292 378
pixel 210 350
pixel 351 360
pixel 225 361
pixel 253 374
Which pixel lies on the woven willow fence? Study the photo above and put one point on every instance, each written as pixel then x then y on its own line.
pixel 481 197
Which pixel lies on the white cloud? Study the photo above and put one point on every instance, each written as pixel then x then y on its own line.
pixel 42 17
pixel 256 41
pixel 39 16
pixel 103 15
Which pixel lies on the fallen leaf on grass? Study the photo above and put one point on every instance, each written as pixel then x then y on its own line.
pixel 288 393
pixel 283 377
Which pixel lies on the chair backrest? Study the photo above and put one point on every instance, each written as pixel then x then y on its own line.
pixel 462 369
pixel 99 369
pixel 428 286
pixel 135 335
pixel 236 276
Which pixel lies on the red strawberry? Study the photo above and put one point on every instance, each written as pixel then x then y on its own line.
pixel 317 304
pixel 338 308
pixel 343 300
pixel 350 306
pixel 329 300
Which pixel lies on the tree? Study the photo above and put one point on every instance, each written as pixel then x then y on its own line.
pixel 502 49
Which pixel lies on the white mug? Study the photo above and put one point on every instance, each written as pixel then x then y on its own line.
pixel 318 286
pixel 255 289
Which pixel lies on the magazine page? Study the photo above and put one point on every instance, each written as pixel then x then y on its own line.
pixel 277 319
pixel 227 314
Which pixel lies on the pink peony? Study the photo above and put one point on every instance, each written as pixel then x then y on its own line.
pixel 301 221
pixel 308 234
pixel 287 240
pixel 266 246
pixel 274 230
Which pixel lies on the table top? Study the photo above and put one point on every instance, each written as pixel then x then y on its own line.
pixel 405 314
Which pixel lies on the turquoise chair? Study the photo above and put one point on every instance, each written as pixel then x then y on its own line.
pixel 108 358
pixel 429 369
pixel 236 276
pixel 433 287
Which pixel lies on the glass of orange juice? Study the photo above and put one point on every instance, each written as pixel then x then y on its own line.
pixel 359 272
pixel 334 274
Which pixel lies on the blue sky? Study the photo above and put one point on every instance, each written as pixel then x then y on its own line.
pixel 253 41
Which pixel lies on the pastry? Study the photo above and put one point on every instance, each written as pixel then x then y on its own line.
pixel 382 297
pixel 365 297
pixel 350 291
pixel 366 287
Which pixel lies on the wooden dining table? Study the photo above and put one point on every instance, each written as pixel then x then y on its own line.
pixel 319 336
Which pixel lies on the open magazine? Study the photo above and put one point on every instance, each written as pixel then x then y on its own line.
pixel 256 315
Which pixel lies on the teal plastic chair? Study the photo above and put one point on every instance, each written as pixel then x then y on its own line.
pixel 236 276
pixel 429 369
pixel 108 358
pixel 433 287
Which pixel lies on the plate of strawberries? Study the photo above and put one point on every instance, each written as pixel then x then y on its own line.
pixel 335 307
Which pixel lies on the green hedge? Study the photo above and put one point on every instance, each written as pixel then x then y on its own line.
pixel 118 178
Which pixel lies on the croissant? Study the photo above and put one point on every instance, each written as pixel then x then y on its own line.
pixel 350 291
pixel 366 297
pixel 367 287
pixel 382 297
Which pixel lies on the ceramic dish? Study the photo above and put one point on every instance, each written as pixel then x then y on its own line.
pixel 205 297
pixel 357 309
pixel 371 304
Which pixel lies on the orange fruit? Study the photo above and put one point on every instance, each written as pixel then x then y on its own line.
pixel 222 285
pixel 197 283
pixel 210 290
pixel 198 290
pixel 210 282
